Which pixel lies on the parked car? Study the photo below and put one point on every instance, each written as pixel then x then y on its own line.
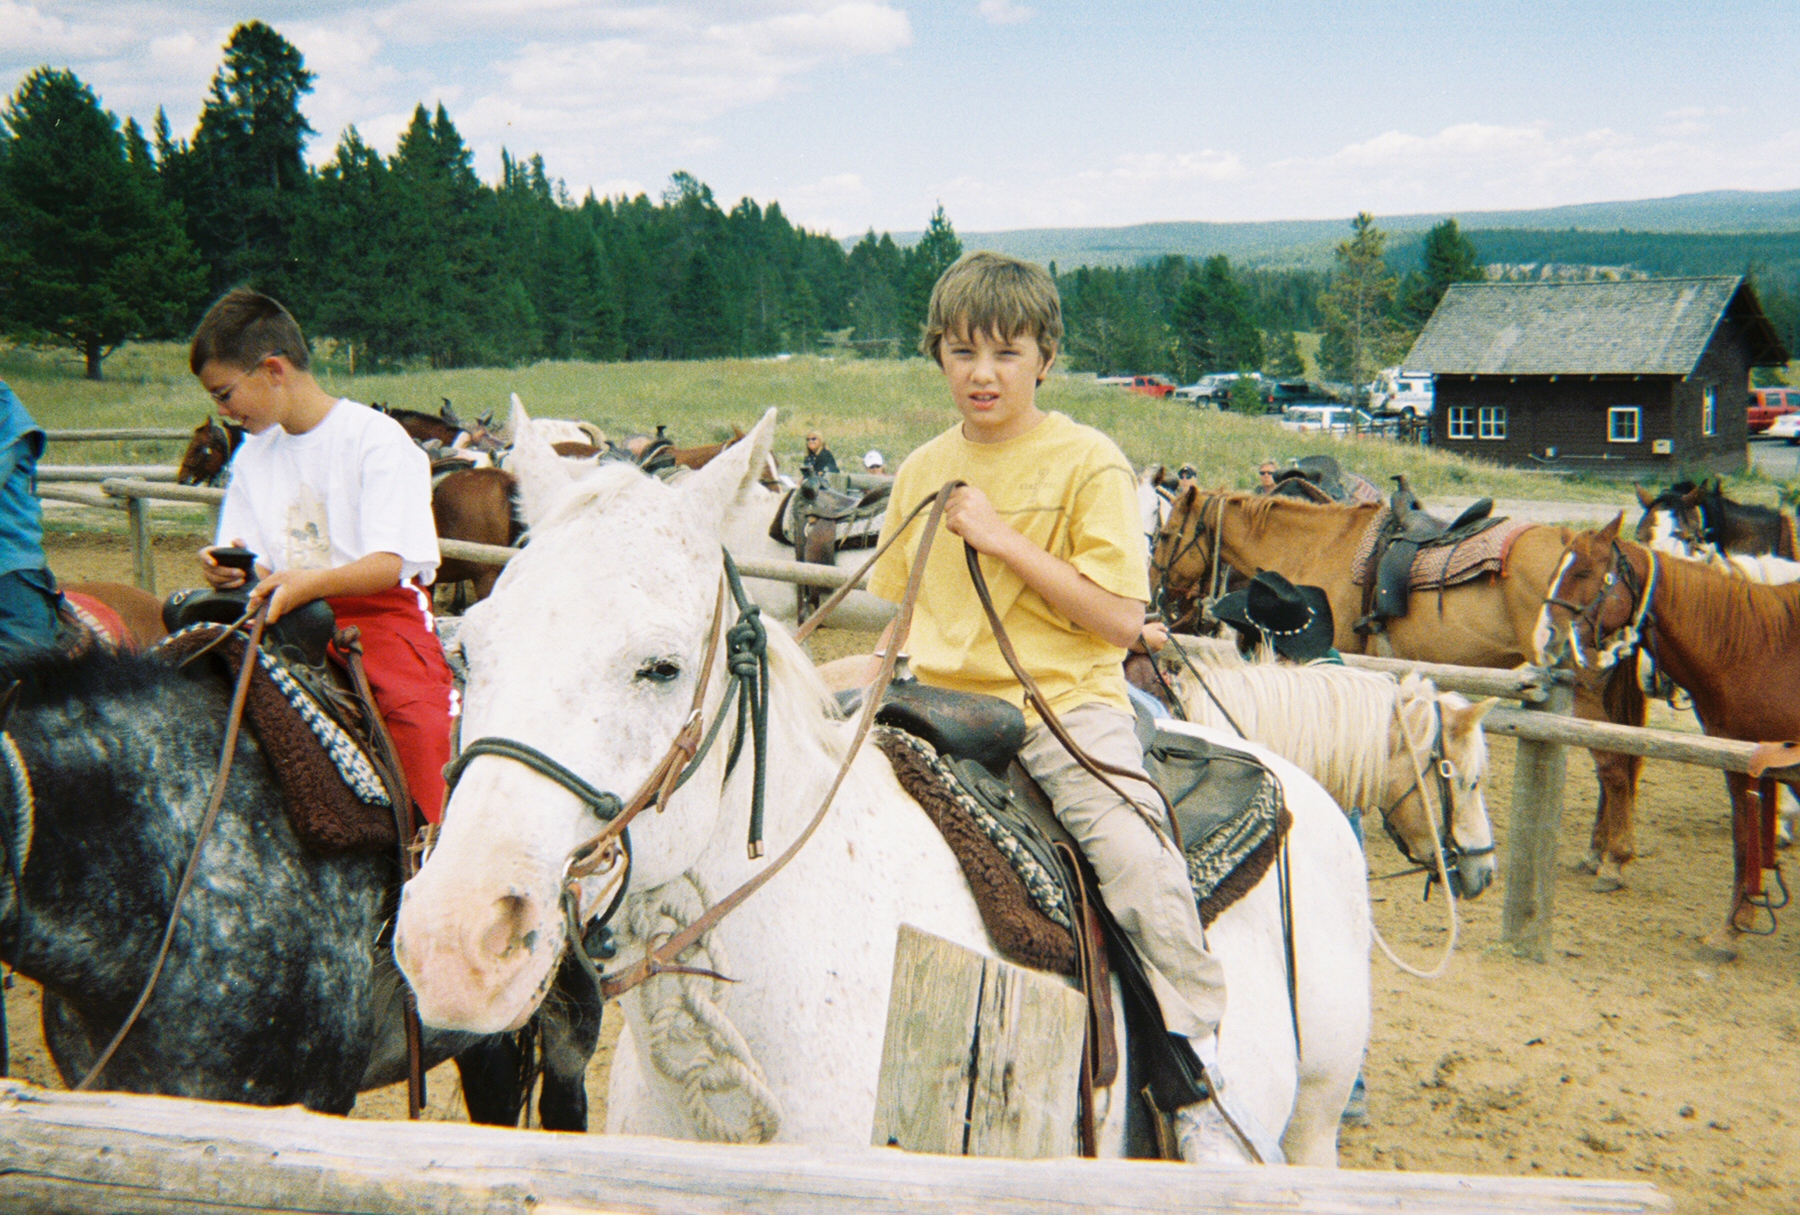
pixel 1332 419
pixel 1769 404
pixel 1286 393
pixel 1216 387
pixel 1787 426
pixel 1149 385
pixel 1403 394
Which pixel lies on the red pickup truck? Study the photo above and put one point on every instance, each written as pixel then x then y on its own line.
pixel 1767 404
pixel 1149 385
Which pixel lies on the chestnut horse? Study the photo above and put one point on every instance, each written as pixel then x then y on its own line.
pixel 1732 645
pixel 474 504
pixel 208 453
pixel 1489 622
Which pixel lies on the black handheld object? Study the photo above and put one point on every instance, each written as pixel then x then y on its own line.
pixel 236 558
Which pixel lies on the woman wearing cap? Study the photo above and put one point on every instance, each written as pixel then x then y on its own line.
pixel 873 462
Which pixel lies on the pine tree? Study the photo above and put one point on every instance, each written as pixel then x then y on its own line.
pixel 1448 257
pixel 1285 362
pixel 1360 334
pixel 1213 323
pixel 242 178
pixel 925 263
pixel 90 253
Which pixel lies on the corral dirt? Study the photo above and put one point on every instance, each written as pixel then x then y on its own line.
pixel 1621 1056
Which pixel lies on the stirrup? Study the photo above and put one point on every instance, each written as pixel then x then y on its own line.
pixel 1370 625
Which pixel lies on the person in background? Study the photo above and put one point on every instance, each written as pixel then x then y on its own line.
pixel 819 459
pixel 1296 621
pixel 1265 477
pixel 1189 475
pixel 335 501
pixel 874 463
pixel 29 600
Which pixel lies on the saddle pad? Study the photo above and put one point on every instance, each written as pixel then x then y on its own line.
pixel 1021 903
pixel 102 625
pixel 335 799
pixel 1232 816
pixel 1442 565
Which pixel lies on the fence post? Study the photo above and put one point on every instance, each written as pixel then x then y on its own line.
pixel 1537 807
pixel 143 560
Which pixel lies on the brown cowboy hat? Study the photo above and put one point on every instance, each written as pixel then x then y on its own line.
pixel 1296 619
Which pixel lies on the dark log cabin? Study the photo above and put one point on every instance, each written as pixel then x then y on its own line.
pixel 1641 378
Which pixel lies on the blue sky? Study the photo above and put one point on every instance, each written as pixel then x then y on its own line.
pixel 1016 113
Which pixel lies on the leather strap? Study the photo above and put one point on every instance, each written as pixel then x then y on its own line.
pixel 234 718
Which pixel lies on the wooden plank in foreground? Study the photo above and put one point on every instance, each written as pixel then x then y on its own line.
pixel 86 1153
pixel 981 1057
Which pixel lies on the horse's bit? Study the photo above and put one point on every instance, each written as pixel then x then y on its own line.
pixel 1443 771
pixel 1627 637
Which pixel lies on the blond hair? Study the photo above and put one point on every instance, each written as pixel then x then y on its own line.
pixel 993 293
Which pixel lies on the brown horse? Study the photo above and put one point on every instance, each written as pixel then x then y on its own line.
pixel 474 504
pixel 1732 645
pixel 1486 623
pixel 208 452
pixel 138 609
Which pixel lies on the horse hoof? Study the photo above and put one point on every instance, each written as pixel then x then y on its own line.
pixel 1609 876
pixel 1589 864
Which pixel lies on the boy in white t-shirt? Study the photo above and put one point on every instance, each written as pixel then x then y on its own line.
pixel 335 500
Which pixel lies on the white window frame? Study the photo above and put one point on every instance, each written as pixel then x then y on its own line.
pixel 1709 411
pixel 1491 422
pixel 1462 422
pixel 1619 413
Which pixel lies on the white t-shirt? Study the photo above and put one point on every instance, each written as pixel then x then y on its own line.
pixel 354 484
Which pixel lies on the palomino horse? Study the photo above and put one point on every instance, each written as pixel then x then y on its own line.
pixel 1371 741
pixel 1486 623
pixel 1732 645
pixel 590 652
pixel 274 992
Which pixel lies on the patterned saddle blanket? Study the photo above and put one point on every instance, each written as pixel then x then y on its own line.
pixel 335 795
pixel 1442 565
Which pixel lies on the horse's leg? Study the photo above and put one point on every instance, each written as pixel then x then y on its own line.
pixel 497 1072
pixel 1615 697
pixel 1746 823
pixel 570 1022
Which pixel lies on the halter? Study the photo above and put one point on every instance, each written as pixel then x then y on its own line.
pixel 1160 570
pixel 1629 636
pixel 1443 773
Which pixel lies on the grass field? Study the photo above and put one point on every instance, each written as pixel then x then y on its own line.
pixel 857 404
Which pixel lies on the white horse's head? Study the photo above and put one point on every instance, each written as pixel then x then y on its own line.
pixel 588 651
pixel 1453 768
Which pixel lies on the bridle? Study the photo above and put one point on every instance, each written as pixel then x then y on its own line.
pixel 1188 542
pixel 1629 636
pixel 747 665
pixel 1442 775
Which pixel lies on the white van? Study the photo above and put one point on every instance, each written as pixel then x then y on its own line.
pixel 1406 394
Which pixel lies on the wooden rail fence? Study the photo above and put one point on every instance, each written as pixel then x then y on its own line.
pixel 85 1154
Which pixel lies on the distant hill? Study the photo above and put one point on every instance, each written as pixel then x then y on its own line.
pixel 1771 256
pixel 1309 242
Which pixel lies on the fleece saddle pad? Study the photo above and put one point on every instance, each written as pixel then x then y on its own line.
pixel 335 797
pixel 93 623
pixel 1446 564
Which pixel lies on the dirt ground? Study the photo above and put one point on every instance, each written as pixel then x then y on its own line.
pixel 1622 1056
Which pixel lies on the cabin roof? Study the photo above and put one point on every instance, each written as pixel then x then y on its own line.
pixel 1658 326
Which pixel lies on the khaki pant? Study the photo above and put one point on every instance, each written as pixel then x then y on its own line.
pixel 1143 878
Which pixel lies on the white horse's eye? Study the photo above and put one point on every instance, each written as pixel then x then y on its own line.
pixel 660 670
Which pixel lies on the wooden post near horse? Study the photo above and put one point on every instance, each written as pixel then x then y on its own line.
pixel 1537 807
pixel 143 563
pixel 981 1058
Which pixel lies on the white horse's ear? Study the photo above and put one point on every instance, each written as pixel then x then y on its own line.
pixel 734 471
pixel 540 472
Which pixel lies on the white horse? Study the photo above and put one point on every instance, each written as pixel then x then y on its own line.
pixel 589 651
pixel 1370 740
pixel 1153 502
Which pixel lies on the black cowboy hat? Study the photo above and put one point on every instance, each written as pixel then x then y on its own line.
pixel 1296 619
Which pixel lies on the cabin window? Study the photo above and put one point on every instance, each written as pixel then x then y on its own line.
pixel 1462 422
pixel 1709 411
pixel 1493 421
pixel 1622 424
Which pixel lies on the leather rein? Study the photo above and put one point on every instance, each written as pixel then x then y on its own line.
pixel 747 663
pixel 1630 636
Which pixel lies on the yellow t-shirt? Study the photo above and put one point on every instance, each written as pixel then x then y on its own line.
pixel 1068 489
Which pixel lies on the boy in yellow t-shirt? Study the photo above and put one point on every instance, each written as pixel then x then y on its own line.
pixel 1051 506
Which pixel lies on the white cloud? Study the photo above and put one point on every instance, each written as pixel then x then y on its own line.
pixel 1004 12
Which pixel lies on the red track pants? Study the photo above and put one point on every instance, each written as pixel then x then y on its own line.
pixel 411 682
